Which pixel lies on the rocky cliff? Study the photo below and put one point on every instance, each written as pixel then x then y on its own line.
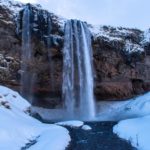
pixel 121 56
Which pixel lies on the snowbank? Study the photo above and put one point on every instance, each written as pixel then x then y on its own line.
pixel 136 130
pixel 133 108
pixel 14 99
pixel 18 129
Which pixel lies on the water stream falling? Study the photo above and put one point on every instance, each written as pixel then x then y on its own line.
pixel 77 71
pixel 49 22
pixel 26 56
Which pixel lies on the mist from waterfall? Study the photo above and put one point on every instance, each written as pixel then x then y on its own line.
pixel 26 56
pixel 77 71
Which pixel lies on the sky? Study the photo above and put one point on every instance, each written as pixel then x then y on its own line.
pixel 126 13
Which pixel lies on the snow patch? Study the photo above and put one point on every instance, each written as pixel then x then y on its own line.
pixel 137 131
pixel 99 31
pixel 86 127
pixel 18 129
pixel 131 47
pixel 14 99
pixel 114 111
pixel 73 123
pixel 12 5
pixel 146 36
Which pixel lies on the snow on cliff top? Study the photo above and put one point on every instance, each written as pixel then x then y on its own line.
pixel 12 5
pixel 18 129
pixel 99 31
pixel 15 7
pixel 113 33
pixel 146 36
pixel 109 34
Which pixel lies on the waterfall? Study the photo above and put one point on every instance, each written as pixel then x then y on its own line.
pixel 26 56
pixel 77 71
pixel 49 22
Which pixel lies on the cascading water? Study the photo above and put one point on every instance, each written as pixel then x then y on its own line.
pixel 77 71
pixel 49 52
pixel 26 56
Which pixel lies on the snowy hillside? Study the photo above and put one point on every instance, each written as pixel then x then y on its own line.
pixel 17 129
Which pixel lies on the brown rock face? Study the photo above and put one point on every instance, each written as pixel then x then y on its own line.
pixel 118 73
pixel 10 47
pixel 113 90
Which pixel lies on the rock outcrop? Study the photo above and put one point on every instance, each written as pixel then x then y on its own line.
pixel 121 56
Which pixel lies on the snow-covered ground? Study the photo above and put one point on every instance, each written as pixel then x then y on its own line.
pixel 17 128
pixel 137 129
pixel 132 108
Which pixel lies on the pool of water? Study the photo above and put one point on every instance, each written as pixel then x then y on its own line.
pixel 101 137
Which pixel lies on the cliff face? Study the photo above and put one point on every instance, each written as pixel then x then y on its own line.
pixel 9 47
pixel 121 56
pixel 122 62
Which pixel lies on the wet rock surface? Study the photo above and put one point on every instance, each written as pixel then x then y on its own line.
pixel 101 137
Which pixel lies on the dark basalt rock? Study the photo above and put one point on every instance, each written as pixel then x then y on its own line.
pixel 118 74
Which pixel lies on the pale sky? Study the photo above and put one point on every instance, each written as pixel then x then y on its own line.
pixel 127 13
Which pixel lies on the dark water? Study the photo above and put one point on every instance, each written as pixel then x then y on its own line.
pixel 101 137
